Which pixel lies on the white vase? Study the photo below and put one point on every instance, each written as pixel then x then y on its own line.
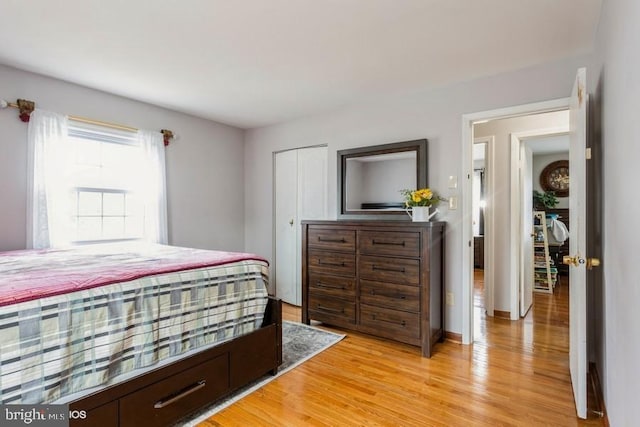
pixel 421 213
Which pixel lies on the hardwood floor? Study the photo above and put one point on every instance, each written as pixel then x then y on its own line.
pixel 516 374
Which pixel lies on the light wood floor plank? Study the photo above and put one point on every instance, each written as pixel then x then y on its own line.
pixel 516 374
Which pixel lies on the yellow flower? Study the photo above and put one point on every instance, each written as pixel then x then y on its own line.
pixel 421 197
pixel 426 193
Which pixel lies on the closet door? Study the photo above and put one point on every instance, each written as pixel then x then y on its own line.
pixel 300 193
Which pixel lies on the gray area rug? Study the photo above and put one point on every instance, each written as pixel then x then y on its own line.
pixel 299 344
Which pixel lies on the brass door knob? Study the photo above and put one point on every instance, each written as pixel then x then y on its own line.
pixel 593 262
pixel 570 260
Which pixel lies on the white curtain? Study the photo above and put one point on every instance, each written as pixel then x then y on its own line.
pixel 48 155
pixel 155 193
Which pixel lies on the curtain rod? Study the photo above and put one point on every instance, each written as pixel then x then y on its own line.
pixel 167 134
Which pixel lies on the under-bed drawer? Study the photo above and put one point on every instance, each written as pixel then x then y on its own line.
pixel 170 399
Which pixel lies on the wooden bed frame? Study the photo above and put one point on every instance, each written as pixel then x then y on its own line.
pixel 165 395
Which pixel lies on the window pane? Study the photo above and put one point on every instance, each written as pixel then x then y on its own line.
pixel 133 227
pixel 113 204
pixel 89 228
pixel 113 228
pixel 89 152
pixel 89 203
pixel 134 205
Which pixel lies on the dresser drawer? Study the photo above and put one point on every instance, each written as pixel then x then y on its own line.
pixel 390 295
pixel 395 270
pixel 391 243
pixel 332 239
pixel 332 285
pixel 337 263
pixel 394 324
pixel 168 400
pixel 332 310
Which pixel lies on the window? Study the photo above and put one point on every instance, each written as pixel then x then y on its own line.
pixel 104 183
pixel 92 184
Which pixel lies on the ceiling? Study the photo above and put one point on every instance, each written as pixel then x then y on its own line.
pixel 252 63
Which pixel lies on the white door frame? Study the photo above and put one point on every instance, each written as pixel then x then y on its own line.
pixel 489 183
pixel 467 227
pixel 516 216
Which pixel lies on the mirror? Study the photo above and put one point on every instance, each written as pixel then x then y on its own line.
pixel 370 179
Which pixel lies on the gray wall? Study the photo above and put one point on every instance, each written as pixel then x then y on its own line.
pixel 541 161
pixel 616 292
pixel 433 114
pixel 205 176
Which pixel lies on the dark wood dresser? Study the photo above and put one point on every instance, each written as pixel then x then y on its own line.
pixel 384 278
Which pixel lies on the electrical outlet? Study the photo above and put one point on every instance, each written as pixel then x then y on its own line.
pixel 449 298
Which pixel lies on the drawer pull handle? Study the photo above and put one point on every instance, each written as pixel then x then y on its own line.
pixel 395 270
pixel 324 285
pixel 377 242
pixel 373 292
pixel 195 387
pixel 332 264
pixel 320 239
pixel 330 310
pixel 401 323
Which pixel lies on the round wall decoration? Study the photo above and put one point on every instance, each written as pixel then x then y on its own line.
pixel 555 177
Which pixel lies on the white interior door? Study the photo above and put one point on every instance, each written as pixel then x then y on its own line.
pixel 577 243
pixel 286 192
pixel 312 198
pixel 300 180
pixel 526 212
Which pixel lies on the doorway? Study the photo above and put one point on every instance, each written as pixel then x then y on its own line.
pixel 516 142
pixel 499 204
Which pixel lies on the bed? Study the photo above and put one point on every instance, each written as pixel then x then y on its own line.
pixel 133 334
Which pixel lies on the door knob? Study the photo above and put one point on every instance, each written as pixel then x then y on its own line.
pixel 572 260
pixel 593 262
pixel 291 221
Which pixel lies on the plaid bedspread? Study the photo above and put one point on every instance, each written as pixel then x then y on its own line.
pixel 57 345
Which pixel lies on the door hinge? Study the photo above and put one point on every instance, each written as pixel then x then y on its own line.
pixel 587 153
pixel 469 243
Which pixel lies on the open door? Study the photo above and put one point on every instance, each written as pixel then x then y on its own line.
pixel 577 243
pixel 526 210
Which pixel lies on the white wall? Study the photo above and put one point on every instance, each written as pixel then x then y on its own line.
pixel 541 161
pixel 434 114
pixel 205 175
pixel 617 87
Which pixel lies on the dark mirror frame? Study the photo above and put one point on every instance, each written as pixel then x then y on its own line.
pixel 420 146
